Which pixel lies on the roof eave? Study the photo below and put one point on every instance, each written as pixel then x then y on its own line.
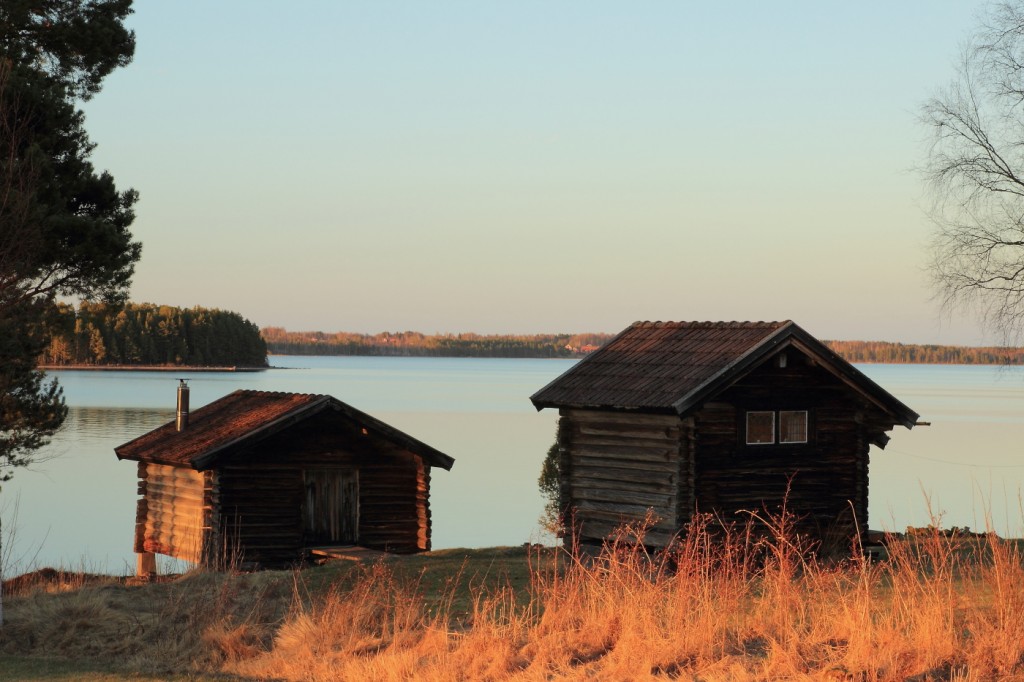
pixel 207 459
pixel 731 372
pixel 792 334
pixel 541 404
pixel 431 455
pixel 152 460
pixel 856 379
pixel 605 407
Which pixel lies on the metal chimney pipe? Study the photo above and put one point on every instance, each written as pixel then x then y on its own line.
pixel 181 415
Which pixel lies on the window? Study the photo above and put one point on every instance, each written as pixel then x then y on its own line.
pixel 793 426
pixel 760 428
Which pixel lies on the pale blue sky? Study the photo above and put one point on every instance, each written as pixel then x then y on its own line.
pixel 534 166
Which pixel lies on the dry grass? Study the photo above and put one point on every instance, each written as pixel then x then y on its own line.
pixel 160 628
pixel 717 607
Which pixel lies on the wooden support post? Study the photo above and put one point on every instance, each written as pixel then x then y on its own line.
pixel 146 565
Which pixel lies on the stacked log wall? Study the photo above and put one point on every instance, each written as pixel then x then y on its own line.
pixel 174 512
pixel 394 502
pixel 617 468
pixel 687 485
pixel 262 493
pixel 261 514
pixel 823 482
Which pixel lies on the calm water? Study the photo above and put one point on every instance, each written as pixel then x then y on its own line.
pixel 76 506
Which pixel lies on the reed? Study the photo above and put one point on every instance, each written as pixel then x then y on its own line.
pixel 722 604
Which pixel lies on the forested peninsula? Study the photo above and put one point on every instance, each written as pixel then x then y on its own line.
pixel 147 334
pixel 153 335
pixel 283 342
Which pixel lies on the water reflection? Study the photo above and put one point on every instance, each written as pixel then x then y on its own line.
pixel 74 506
pixel 87 424
pixel 78 501
pixel 966 468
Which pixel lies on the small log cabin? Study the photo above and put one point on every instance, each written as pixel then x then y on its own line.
pixel 258 479
pixel 727 418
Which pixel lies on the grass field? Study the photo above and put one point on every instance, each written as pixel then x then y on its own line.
pixel 939 607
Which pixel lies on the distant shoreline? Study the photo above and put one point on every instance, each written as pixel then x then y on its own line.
pixel 574 346
pixel 854 352
pixel 150 368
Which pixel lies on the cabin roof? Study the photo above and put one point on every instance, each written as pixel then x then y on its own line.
pixel 244 417
pixel 676 366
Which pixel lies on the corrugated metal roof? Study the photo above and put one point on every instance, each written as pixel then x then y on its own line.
pixel 674 366
pixel 245 416
pixel 652 365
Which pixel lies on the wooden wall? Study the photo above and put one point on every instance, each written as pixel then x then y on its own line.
pixel 826 477
pixel 175 512
pixel 262 492
pixel 617 467
pixel 261 513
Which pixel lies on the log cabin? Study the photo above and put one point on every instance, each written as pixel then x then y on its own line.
pixel 732 419
pixel 261 479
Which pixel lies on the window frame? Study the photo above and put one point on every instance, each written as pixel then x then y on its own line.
pixel 776 427
pixel 746 435
pixel 807 429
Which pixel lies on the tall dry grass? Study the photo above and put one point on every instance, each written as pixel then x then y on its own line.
pixel 729 606
pixel 724 604
pixel 198 621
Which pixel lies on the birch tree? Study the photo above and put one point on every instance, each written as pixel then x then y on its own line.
pixel 975 172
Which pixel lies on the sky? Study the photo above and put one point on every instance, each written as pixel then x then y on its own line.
pixel 526 167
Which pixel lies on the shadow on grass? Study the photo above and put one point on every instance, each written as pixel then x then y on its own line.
pixel 32 668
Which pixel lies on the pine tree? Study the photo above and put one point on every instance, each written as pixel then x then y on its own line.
pixel 64 226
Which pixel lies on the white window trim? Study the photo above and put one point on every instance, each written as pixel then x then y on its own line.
pixel 777 427
pixel 747 427
pixel 806 427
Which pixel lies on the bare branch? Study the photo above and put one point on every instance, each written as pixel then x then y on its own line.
pixel 975 172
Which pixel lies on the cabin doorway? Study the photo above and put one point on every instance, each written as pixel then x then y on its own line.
pixel 331 507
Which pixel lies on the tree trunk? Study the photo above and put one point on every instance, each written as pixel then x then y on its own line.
pixel 1 573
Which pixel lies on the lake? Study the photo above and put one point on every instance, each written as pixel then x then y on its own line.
pixel 75 507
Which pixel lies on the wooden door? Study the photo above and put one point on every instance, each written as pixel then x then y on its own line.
pixel 331 507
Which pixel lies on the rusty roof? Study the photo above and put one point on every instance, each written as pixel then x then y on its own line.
pixel 674 366
pixel 244 417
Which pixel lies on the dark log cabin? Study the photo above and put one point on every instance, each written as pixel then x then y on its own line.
pixel 258 479
pixel 726 418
